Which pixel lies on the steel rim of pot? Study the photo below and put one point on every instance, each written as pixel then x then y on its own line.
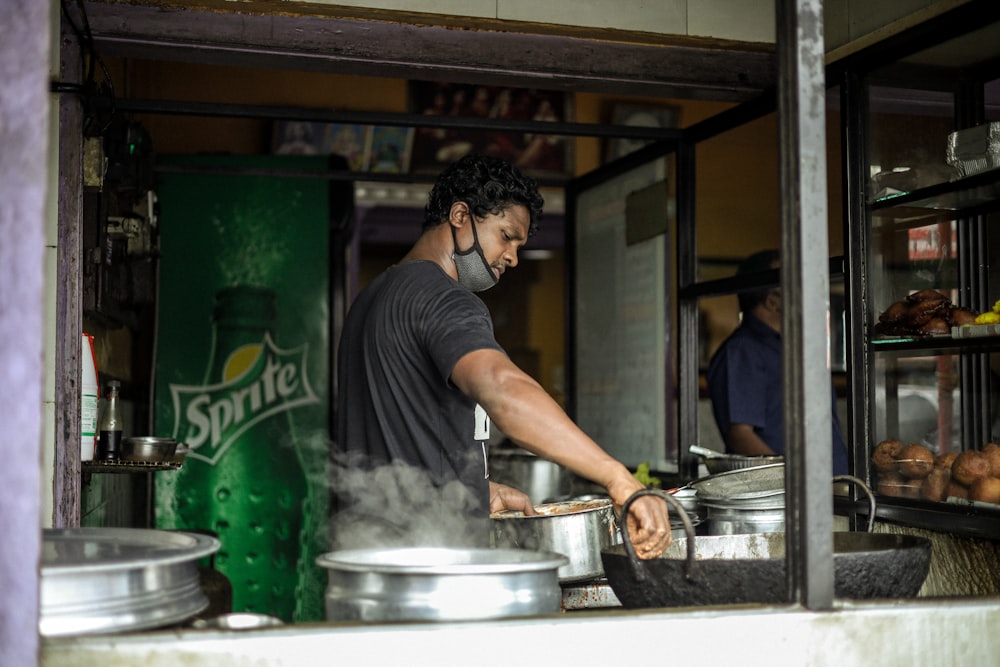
pixel 430 561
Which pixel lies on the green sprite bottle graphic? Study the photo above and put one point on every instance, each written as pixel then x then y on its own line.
pixel 243 478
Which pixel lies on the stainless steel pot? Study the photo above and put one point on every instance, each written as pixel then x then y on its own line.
pixel 737 520
pixel 440 584
pixel 541 479
pixel 578 529
pixel 98 580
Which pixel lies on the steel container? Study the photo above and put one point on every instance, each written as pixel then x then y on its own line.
pixel 148 449
pixel 99 580
pixel 577 529
pixel 440 584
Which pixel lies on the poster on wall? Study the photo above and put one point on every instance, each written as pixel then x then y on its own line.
pixel 366 148
pixel 241 370
pixel 537 154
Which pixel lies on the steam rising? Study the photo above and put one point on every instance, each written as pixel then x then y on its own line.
pixel 397 505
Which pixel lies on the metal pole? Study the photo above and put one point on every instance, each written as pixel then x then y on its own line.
pixel 805 284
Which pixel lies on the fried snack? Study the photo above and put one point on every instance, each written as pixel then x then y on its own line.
pixel 970 466
pixel 935 485
pixel 962 316
pixel 957 490
pixel 891 484
pixel 986 490
pixel 915 461
pixel 924 311
pixel 991 451
pixel 884 456
pixel 945 460
pixel 934 326
pixel 925 295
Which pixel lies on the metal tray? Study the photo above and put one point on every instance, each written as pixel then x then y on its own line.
pixel 99 580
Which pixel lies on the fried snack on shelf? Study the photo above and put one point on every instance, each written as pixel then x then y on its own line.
pixel 970 466
pixel 956 490
pixel 991 451
pixel 935 485
pixel 927 312
pixel 891 484
pixel 945 460
pixel 884 456
pixel 915 461
pixel 986 490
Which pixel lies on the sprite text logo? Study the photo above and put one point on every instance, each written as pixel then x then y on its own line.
pixel 258 381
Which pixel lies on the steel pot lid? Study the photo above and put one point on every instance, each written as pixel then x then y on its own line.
pixel 98 580
pixel 744 484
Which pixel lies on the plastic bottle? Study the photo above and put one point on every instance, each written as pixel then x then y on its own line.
pixel 242 478
pixel 89 396
pixel 109 440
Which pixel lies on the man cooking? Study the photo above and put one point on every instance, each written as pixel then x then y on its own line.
pixel 422 380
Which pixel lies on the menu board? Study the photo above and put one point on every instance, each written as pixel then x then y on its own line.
pixel 620 325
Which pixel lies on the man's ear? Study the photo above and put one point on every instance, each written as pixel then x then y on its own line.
pixel 458 215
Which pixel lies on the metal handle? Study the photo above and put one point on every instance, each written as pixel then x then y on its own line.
pixel 864 487
pixel 638 572
pixel 705 452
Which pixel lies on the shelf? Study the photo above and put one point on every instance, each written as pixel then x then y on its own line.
pixel 933 345
pixel 129 466
pixel 973 195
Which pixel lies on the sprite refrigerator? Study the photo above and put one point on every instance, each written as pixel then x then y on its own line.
pixel 242 369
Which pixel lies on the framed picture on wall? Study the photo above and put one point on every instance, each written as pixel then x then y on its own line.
pixel 389 150
pixel 637 116
pixel 297 137
pixel 535 153
pixel 350 141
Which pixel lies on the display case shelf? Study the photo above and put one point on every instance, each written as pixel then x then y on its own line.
pixel 972 195
pixel 935 345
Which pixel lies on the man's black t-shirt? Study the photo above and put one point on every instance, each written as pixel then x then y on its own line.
pixel 403 335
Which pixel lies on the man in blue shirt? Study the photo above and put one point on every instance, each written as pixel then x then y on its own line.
pixel 744 375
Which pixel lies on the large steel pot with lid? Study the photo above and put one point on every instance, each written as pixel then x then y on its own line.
pixel 746 500
pixel 440 584
pixel 578 529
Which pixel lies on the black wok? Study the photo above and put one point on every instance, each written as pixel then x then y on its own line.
pixel 750 568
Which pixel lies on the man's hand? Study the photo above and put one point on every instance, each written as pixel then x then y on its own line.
pixel 647 523
pixel 503 497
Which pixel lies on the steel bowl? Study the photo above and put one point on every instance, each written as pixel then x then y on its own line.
pixel 149 449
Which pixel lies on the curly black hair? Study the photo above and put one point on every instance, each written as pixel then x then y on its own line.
pixel 488 185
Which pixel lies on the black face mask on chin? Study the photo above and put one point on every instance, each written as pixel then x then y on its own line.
pixel 474 272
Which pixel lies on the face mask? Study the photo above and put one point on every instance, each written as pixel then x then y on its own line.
pixel 474 272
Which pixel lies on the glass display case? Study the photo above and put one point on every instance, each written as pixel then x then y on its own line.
pixel 924 185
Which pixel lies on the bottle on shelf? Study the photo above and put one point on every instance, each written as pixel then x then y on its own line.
pixel 89 396
pixel 109 439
